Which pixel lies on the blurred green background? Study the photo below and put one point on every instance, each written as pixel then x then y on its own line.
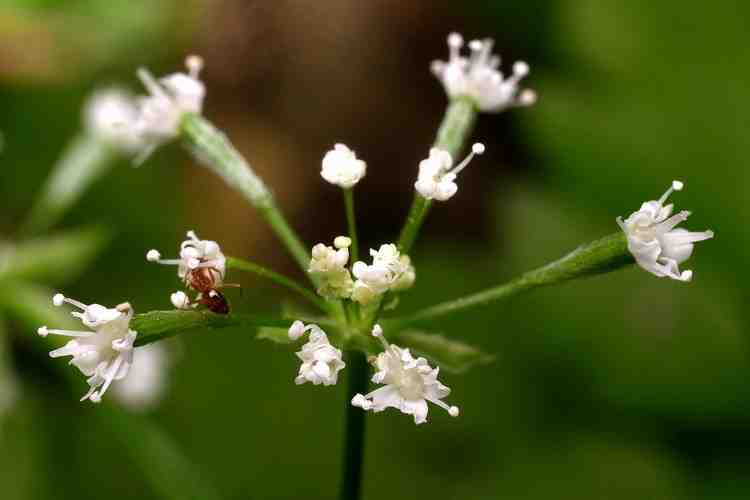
pixel 623 386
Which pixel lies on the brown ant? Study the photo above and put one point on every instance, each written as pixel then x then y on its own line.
pixel 204 280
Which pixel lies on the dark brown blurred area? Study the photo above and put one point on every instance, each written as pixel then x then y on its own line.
pixel 289 79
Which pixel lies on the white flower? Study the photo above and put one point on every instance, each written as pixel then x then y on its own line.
pixel 170 97
pixel 389 271
pixel 436 179
pixel 342 168
pixel 104 354
pixel 657 246
pixel 321 362
pixel 196 254
pixel 477 76
pixel 328 265
pixel 409 384
pixel 112 116
pixel 146 383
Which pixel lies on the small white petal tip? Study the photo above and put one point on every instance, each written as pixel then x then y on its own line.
pixel 455 39
pixel 342 242
pixel 377 331
pixel 678 185
pixel 361 402
pixel 58 299
pixel 95 398
pixel 453 411
pixel 153 255
pixel 42 331
pixel 477 148
pixel 521 68
pixel 180 300
pixel 296 330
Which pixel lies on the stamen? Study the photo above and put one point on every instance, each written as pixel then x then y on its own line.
pixel 153 255
pixel 194 65
pixel 476 149
pixel 44 331
pixel 455 42
pixel 377 332
pixel 676 186
pixel 59 299
pixel 342 242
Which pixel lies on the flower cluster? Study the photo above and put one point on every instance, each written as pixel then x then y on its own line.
pixel 103 354
pixel 408 383
pixel 321 362
pixel 202 266
pixel 328 266
pixel 478 78
pixel 389 271
pixel 656 243
pixel 342 168
pixel 138 125
pixel 437 176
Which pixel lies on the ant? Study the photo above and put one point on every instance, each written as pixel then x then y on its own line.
pixel 204 280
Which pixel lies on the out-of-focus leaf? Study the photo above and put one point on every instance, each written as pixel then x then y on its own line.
pixel 55 259
pixel 32 306
pixel 451 355
pixel 171 474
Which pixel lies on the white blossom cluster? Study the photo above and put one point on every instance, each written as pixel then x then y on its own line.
pixel 138 125
pixel 409 383
pixel 389 271
pixel 655 241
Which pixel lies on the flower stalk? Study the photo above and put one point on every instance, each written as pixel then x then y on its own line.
pixel 351 223
pixel 455 130
pixel 279 279
pixel 604 255
pixel 158 325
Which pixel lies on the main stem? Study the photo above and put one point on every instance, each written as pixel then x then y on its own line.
pixel 354 446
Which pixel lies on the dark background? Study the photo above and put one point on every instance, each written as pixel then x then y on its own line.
pixel 619 387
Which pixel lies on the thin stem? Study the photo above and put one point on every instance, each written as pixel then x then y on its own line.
pixel 212 148
pixel 280 279
pixel 85 160
pixel 601 256
pixel 351 479
pixel 454 131
pixel 351 223
pixel 158 325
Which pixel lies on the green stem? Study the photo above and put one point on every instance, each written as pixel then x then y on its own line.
pixel 211 147
pixel 601 256
pixel 158 325
pixel 351 478
pixel 280 279
pixel 85 160
pixel 454 131
pixel 351 223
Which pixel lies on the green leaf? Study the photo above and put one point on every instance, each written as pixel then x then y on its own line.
pixel 451 355
pixel 157 325
pixel 52 260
